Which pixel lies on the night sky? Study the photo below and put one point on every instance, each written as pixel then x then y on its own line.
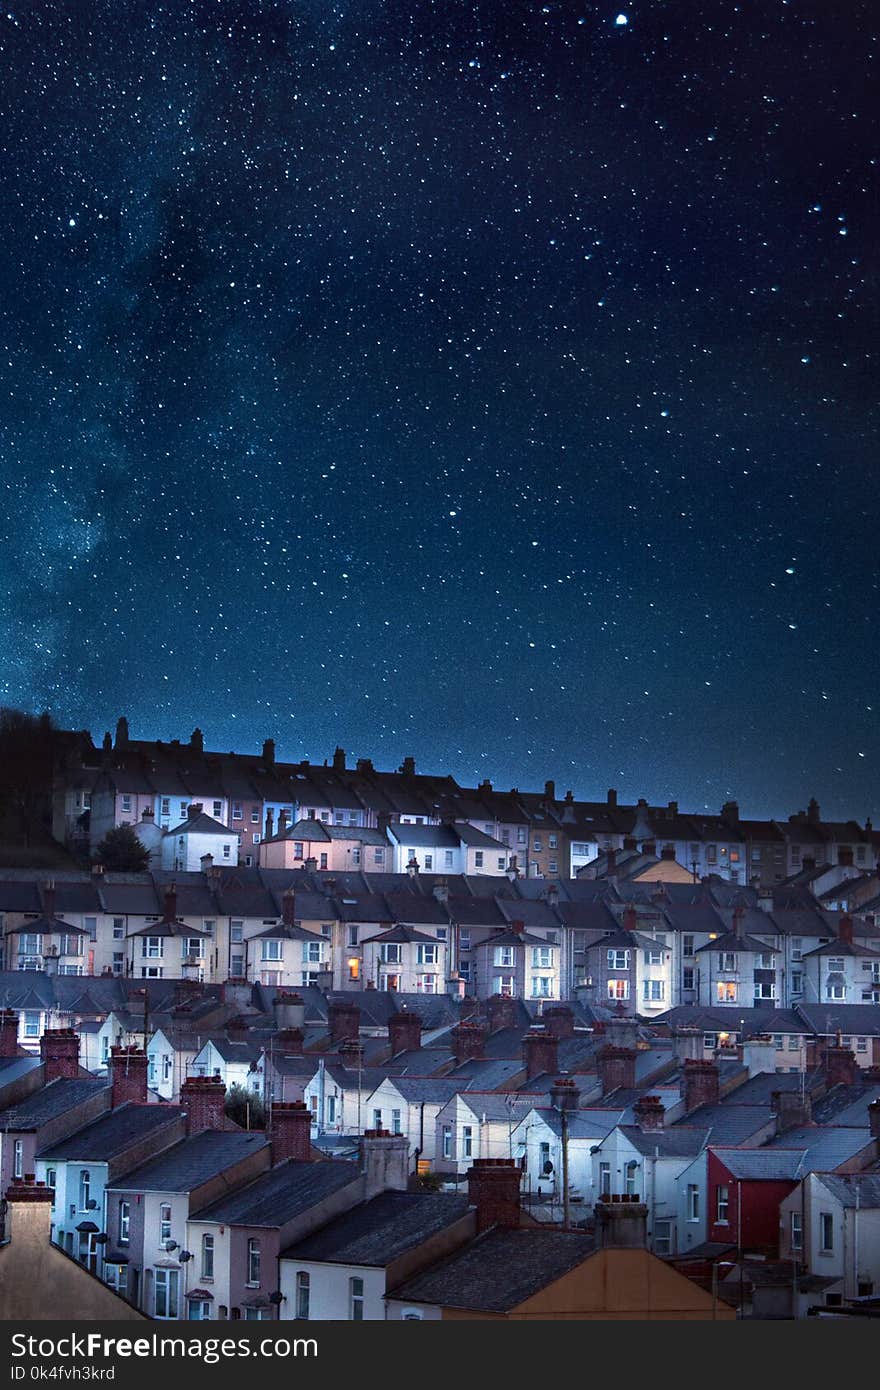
pixel 493 383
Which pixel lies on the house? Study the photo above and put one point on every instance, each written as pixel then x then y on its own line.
pixel 38 1281
pixel 335 848
pixel 169 947
pixel 344 1270
pixel 409 1105
pixel 184 845
pixel 232 1059
pixel 47 1115
pixel 738 968
pixel 47 938
pixel 841 971
pixel 405 960
pixel 830 1225
pixel 515 1271
pixel 478 1124
pixel 516 963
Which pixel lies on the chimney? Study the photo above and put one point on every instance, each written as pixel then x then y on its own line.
pixel 759 1055
pixel 540 1053
pixel 501 1011
pixel 701 1084
pixel 28 1230
pixel 49 899
pixel 730 813
pixel 170 909
pixel 612 797
pixel 204 1099
pixel 59 1052
pixel 408 767
pixel 468 1040
pixel 549 791
pixel 841 1068
pixel 237 1028
pixel 122 732
pixel 739 913
pixel 207 863
pixel 289 1042
pixel 290 1131
pixel 282 820
pixel 687 1043
pixel 237 991
pixel 441 890
pixel 813 815
pixel 344 1019
pixel 649 1113
pixel 621 1223
pixel 384 1162
pixel 617 1068
pixel 874 1119
pixel 148 816
pixel 197 741
pixel 288 1009
pixel 791 1109
pixel 621 1031
pixel 404 1032
pixel 559 1021
pixel 128 1075
pixel 630 918
pixel 8 1033
pixel 610 860
pixel 565 1094
pixel 194 809
pixel 339 760
pixel 845 928
pixel 668 852
pixel 351 1053
pixel 288 907
pixel 553 895
pixel 269 826
pixel 311 865
pixel 269 752
pixel 494 1189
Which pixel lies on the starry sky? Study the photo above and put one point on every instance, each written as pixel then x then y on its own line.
pixel 492 383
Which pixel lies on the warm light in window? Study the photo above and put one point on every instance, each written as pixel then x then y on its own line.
pixel 354 968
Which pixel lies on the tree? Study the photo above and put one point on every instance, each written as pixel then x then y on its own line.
pixel 27 762
pixel 245 1107
pixel 121 851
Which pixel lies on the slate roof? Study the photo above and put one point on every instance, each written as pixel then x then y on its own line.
pixel 431 1090
pixel 854 1189
pixel 728 1124
pixel 190 1162
pixel 681 1141
pixel 767 1165
pixel 203 824
pixel 498 1270
pixel 280 1194
pixel 401 933
pixel 377 1232
pixel 112 1134
pixel 49 1102
pixel 826 1145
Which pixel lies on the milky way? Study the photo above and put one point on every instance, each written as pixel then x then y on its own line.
pixel 493 383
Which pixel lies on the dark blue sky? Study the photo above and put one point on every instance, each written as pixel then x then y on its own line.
pixel 490 383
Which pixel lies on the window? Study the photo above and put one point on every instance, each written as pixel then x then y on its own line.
pixel 604 1179
pixel 711 854
pixel 378 856
pixel 426 955
pixel 765 960
pixel 478 859
pixel 687 946
pixel 722 1205
pixel 429 861
pixel 165 806
pixel 195 946
pixel 154 947
pixel 85 1189
pixel 467 1141
pixel 151 972
pixel 124 1234
pixel 797 982
pixel 118 928
pixel 662 1240
pixel 236 932
pixel 725 992
pixel 166 1284
pixel 447 1141
pixel 826 1231
pixel 302 1295
pixel 727 960
pixel 207 1257
pixel 797 1231
pixel 520 835
pixel 30 944
pixel 237 811
pixel 541 986
pixel 32 1021
pixel 618 989
pixel 537 845
pixel 356 1300
pixel 253 1263
pixel 503 955
pixel 835 990
pixel 693 1202
pixel 652 990
pixel 552 841
pixel 426 984
pixel 687 977
pixel 835 965
pixel 126 803
pixel 164 1224
pixel 117 1277
pixel 448 858
pixel 542 957
pixel 504 985
pixel 797 948
pixel 18 1158
pixel 390 952
pixel 272 950
pixel 653 957
pixel 618 960
pixel 313 952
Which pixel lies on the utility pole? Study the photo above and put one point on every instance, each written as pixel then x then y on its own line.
pixel 566 1200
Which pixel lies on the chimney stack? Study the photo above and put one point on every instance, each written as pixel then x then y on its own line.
pixel 617 1068
pixel 351 1054
pixel 791 1109
pixel 759 1055
pixel 344 1019
pixel 128 1075
pixel 565 1094
pixel 204 1100
pixel 621 1223
pixel 739 914
pixel 874 1119
pixel 384 1161
pixel 841 1068
pixel 59 1052
pixel 468 1041
pixel 845 928
pixel 170 909
pixel 702 1084
pixel 269 752
pixel 688 1043
pixel 494 1189
pixel 559 1021
pixel 649 1113
pixel 501 1011
pixel 404 1032
pixel 549 791
pixel 621 1031
pixel 290 1131
pixel 339 760
pixel 288 1009
pixel 540 1053
pixel 8 1033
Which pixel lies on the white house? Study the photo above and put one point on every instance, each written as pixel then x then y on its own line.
pixel 830 1223
pixel 410 1106
pixel 184 846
